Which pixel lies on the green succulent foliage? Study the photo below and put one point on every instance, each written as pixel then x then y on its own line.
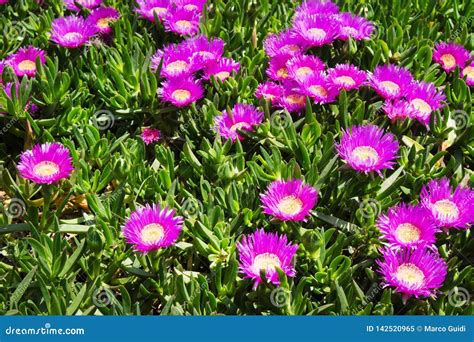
pixel 63 252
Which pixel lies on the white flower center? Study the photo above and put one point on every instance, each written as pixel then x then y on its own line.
pixel 303 71
pixel 72 36
pixel 317 33
pixel 158 10
pixel 410 274
pixel 346 80
pixel 407 232
pixel 447 209
pixel 181 95
pixel 190 7
pixel 469 72
pixel 239 125
pixel 365 153
pixel 421 105
pixel 448 60
pixel 176 66
pixel 46 169
pixel 350 31
pixel 184 24
pixel 27 65
pixel 318 91
pixel 290 205
pixel 291 47
pixel 390 87
pixel 206 54
pixel 152 232
pixel 265 261
pixel 222 75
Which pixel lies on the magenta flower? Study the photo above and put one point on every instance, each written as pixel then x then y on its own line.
pixel 150 135
pixel 286 42
pixel 293 99
pixel 316 31
pixel 450 56
pixel 390 81
pixel 415 272
pixel 190 5
pixel 149 8
pixel 347 76
pixel 277 69
pixel 205 50
pixel 243 117
pixel 319 88
pixel 265 252
pixel 448 209
pixel 424 99
pixel 468 72
pixel 316 8
pixel 46 164
pixel 407 226
pixel 367 148
pixel 89 4
pixel 353 26
pixel 182 91
pixel 102 17
pixel 182 22
pixel 3 65
pixel 178 63
pixel 398 110
pixel 301 67
pixel 150 228
pixel 23 61
pixel 221 69
pixel 289 200
pixel 3 2
pixel 269 91
pixel 71 31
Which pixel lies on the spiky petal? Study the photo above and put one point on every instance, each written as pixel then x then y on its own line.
pixel 450 56
pixel 390 81
pixel 23 61
pixel 243 117
pixel 71 31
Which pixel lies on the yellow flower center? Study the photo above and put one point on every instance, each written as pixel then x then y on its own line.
pixel 27 65
pixel 222 75
pixel 290 205
pixel 346 80
pixel 410 274
pixel 291 47
pixel 407 232
pixel 282 73
pixel 469 72
pixel 190 7
pixel 104 22
pixel 181 95
pixel 390 87
pixel 421 105
pixel 70 36
pixel 318 91
pixel 446 208
pixel 176 66
pixel 448 60
pixel 317 33
pixel 158 10
pixel 152 232
pixel 365 153
pixel 303 71
pixel 46 169
pixel 184 24
pixel 296 99
pixel 239 125
pixel 265 261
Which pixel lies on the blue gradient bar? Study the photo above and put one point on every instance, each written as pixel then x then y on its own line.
pixel 233 328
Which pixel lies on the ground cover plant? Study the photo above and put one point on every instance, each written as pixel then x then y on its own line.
pixel 236 157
